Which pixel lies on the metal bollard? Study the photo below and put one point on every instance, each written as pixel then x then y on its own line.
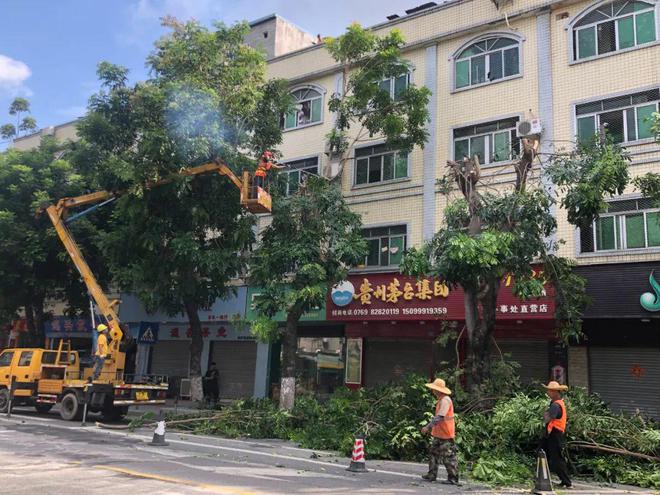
pixel 12 387
pixel 86 395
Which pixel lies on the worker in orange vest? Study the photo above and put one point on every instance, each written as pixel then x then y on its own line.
pixel 266 162
pixel 555 425
pixel 443 431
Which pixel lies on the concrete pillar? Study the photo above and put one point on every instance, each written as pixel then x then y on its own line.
pixel 430 150
pixel 261 371
pixel 578 367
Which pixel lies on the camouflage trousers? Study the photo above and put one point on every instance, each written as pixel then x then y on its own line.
pixel 443 451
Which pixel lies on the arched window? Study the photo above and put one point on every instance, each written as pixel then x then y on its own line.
pixel 486 61
pixel 307 108
pixel 614 26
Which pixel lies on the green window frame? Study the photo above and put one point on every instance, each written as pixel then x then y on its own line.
pixel 386 245
pixel 632 230
pixel 307 109
pixel 629 118
pixel 395 86
pixel 297 171
pixel 494 142
pixel 486 61
pixel 378 164
pixel 618 25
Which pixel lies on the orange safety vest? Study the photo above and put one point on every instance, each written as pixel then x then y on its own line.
pixel 559 424
pixel 445 429
pixel 262 167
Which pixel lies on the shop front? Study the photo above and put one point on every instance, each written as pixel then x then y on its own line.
pixel 392 324
pixel 227 341
pixel 620 358
pixel 320 354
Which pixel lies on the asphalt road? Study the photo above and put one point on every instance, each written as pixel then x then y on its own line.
pixel 45 455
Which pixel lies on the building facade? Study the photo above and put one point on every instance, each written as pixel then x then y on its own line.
pixel 568 66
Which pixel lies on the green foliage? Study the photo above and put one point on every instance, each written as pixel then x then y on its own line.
pixel 367 60
pixel 586 176
pixel 311 243
pixel 496 445
pixel 7 131
pixel 649 185
pixel 28 124
pixel 265 329
pixel 33 264
pixel 19 105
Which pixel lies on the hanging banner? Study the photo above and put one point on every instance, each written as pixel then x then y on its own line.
pixel 393 297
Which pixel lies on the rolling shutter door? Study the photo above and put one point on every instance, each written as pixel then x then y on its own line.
pixel 390 360
pixel 236 362
pixel 171 358
pixel 532 356
pixel 627 378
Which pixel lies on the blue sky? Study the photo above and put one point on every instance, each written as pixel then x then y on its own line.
pixel 49 49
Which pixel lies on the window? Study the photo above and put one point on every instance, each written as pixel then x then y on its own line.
pixel 395 86
pixel 25 359
pixel 296 172
pixel 486 61
pixel 492 142
pixel 306 110
pixel 386 245
pixel 375 164
pixel 320 364
pixel 629 224
pixel 626 118
pixel 614 26
pixel 5 358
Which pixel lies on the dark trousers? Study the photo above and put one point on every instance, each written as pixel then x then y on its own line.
pixel 553 444
pixel 99 361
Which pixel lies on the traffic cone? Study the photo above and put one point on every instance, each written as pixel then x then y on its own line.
pixel 159 435
pixel 358 464
pixel 543 485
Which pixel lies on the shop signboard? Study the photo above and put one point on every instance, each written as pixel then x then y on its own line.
pixel 64 327
pixel 381 296
pixel 316 314
pixel 210 331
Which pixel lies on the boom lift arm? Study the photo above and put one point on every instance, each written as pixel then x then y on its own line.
pixel 58 215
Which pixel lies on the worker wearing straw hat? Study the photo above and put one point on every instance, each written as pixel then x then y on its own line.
pixel 555 425
pixel 441 427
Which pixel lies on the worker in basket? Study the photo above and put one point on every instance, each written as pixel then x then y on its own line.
pixel 266 162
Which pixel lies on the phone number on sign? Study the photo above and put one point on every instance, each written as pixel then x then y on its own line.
pixel 424 311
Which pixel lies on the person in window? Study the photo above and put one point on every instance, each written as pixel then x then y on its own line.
pixel 212 383
pixel 555 425
pixel 442 429
pixel 266 162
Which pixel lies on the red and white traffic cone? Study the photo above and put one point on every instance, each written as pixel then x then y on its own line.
pixel 358 464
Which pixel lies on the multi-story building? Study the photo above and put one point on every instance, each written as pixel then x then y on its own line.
pixel 570 66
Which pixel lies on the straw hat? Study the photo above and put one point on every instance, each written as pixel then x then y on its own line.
pixel 556 386
pixel 439 385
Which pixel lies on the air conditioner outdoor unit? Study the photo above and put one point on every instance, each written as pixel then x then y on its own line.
pixel 529 127
pixel 184 388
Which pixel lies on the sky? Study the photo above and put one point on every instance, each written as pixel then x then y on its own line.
pixel 49 49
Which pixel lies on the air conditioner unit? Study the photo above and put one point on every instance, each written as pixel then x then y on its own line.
pixel 184 388
pixel 530 127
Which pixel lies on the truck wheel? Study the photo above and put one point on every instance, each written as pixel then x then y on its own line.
pixel 43 408
pixel 4 400
pixel 70 407
pixel 113 413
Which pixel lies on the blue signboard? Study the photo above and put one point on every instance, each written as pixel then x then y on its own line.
pixel 148 333
pixel 64 327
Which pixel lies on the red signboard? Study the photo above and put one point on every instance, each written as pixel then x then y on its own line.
pixel 383 296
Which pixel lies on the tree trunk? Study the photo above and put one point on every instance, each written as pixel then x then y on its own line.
pixel 39 335
pixel 480 314
pixel 289 348
pixel 28 338
pixel 196 346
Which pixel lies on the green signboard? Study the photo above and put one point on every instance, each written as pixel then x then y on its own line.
pixel 317 314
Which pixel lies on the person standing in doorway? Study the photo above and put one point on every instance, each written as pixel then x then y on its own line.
pixel 101 352
pixel 211 383
pixel 442 429
pixel 555 418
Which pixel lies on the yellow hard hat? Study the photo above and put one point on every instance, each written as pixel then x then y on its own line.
pixel 101 328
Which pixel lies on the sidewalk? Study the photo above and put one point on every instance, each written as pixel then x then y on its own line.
pixel 173 406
